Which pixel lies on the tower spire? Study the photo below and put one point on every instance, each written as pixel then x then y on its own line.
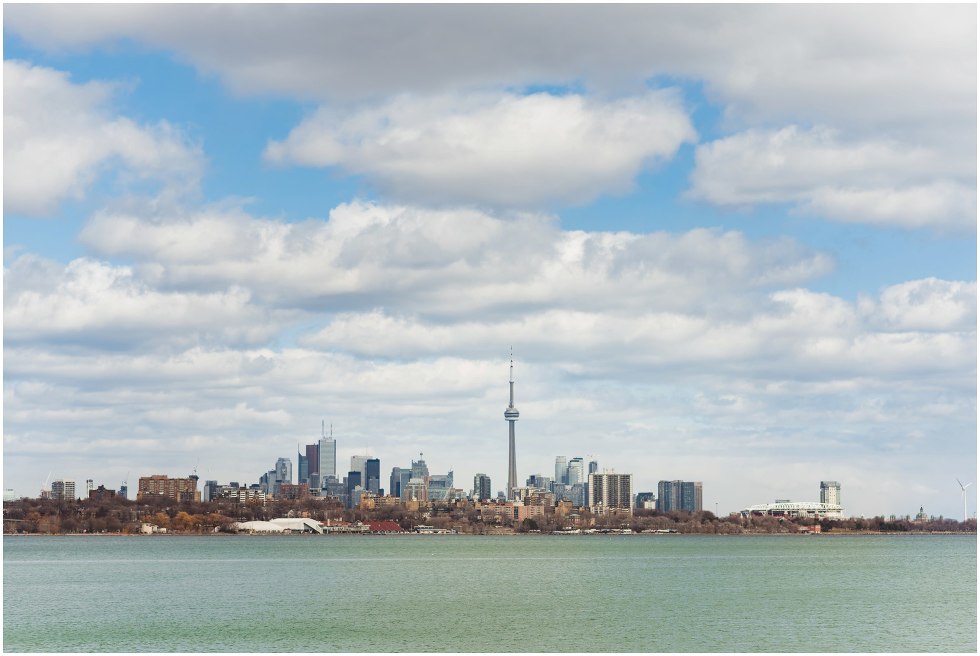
pixel 511 415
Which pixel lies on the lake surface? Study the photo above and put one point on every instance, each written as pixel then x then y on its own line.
pixel 490 593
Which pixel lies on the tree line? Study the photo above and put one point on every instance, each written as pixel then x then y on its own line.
pixel 117 515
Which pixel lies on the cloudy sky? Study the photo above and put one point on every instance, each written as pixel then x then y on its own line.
pixel 732 244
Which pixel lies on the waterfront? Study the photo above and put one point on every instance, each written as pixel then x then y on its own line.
pixel 501 594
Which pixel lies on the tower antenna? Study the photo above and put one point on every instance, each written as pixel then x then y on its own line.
pixel 511 415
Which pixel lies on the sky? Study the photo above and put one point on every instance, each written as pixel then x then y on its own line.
pixel 732 244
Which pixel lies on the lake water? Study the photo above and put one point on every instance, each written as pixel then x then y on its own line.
pixel 490 593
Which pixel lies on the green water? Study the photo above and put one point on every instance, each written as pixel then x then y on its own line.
pixel 498 594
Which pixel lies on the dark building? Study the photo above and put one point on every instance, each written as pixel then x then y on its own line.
pixel 372 471
pixel 679 495
pixel 312 460
pixel 395 482
pixel 303 467
pixel 643 497
pixel 481 487
pixel 353 481
pixel 101 494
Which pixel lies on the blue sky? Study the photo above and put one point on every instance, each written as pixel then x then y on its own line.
pixel 706 262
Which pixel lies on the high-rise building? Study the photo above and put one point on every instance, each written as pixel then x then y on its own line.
pixel 284 471
pixel 353 483
pixel 302 468
pixel 830 493
pixel 210 491
pixel 328 456
pixel 511 415
pixel 63 490
pixel 89 486
pixel 576 471
pixel 312 462
pixel 395 482
pixel 561 470
pixel 372 473
pixel 179 489
pixel 124 491
pixel 679 495
pixel 609 492
pixel 419 468
pixel 481 487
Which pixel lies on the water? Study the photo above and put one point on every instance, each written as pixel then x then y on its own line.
pixel 490 593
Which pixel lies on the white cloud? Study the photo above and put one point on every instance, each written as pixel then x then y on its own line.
pixel 820 171
pixel 59 137
pixel 926 305
pixel 497 149
pixel 97 304
pixel 447 263
pixel 847 65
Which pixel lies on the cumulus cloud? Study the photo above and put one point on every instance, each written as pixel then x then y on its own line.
pixel 864 65
pixel 59 137
pixel 820 171
pixel 93 303
pixel 448 263
pixel 493 149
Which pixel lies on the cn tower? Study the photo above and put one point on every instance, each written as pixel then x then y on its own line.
pixel 511 414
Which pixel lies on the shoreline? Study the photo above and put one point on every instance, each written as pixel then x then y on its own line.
pixel 485 535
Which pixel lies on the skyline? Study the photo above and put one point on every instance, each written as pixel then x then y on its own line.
pixel 734 244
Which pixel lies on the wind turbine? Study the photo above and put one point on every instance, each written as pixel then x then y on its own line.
pixel 963 493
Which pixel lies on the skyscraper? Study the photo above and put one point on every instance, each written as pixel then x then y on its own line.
pixel 395 482
pixel 481 487
pixel 328 457
pixel 313 463
pixel 679 495
pixel 561 470
pixel 372 479
pixel 510 415
pixel 576 471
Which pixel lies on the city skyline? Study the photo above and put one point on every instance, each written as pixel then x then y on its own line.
pixel 728 243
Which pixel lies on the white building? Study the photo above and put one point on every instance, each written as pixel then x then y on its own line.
pixel 795 509
pixel 830 492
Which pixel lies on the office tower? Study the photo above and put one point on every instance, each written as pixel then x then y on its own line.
pixel 372 471
pixel 561 470
pixel 124 491
pixel 210 491
pixel 593 467
pixel 404 476
pixel 89 486
pixel 679 495
pixel 830 493
pixel 419 468
pixel 353 482
pixel 610 492
pixel 395 482
pixel 302 468
pixel 328 456
pixel 63 490
pixel 576 471
pixel 284 471
pixel 312 462
pixel 481 487
pixel 539 481
pixel 511 415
